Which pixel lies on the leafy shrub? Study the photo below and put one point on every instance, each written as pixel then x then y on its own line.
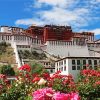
pixel 89 84
pixel 7 70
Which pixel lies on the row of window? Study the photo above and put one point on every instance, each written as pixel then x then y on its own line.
pixel 23 46
pixel 20 38
pixel 66 43
pixel 46 63
pixel 15 29
pixel 76 68
pixel 62 69
pixel 84 62
pixel 5 37
pixel 94 45
pixel 61 63
pixel 28 39
pixel 79 62
pixel 83 67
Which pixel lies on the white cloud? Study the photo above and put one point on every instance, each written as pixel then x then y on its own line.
pixel 57 16
pixel 59 3
pixel 97 1
pixel 96 31
pixel 64 17
pixel 76 13
pixel 28 22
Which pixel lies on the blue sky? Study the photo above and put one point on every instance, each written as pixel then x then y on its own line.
pixel 82 15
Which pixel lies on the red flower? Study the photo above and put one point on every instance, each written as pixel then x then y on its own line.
pixel 34 75
pixel 1 86
pixel 58 72
pixel 97 83
pixel 2 76
pixel 25 67
pixel 36 79
pixel 90 73
pixel 49 84
pixel 46 75
pixel 7 81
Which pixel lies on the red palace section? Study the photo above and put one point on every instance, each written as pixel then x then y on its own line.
pixel 53 32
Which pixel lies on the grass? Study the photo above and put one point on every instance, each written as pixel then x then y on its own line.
pixel 8 56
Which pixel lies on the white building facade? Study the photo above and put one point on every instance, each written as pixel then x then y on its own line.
pixel 73 65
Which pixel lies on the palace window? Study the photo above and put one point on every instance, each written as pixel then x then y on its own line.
pixel 73 67
pixel 73 62
pixel 78 62
pixel 78 67
pixel 64 61
pixel 46 63
pixel 84 62
pixel 51 70
pixel 61 68
pixel 89 62
pixel 64 68
pixel 95 62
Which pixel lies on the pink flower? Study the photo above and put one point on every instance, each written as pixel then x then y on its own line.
pixel 43 94
pixel 74 96
pixel 61 96
pixel 49 94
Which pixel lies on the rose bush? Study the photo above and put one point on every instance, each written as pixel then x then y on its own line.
pixel 89 84
pixel 42 86
pixel 4 83
pixel 62 83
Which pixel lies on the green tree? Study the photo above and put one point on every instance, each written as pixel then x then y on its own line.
pixel 37 68
pixel 7 70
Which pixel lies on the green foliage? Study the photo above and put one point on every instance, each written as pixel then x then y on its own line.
pixel 57 85
pixel 7 70
pixel 18 91
pixel 37 68
pixel 88 84
pixel 15 95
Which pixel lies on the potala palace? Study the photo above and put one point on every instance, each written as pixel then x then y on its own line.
pixel 75 50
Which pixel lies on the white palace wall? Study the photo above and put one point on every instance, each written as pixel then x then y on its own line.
pixel 66 49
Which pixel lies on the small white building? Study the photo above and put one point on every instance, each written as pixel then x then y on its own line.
pixel 8 29
pixel 73 65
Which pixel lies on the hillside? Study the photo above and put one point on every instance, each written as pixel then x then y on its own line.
pixel 6 54
pixel 25 54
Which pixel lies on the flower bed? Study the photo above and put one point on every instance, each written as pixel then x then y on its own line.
pixel 28 86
